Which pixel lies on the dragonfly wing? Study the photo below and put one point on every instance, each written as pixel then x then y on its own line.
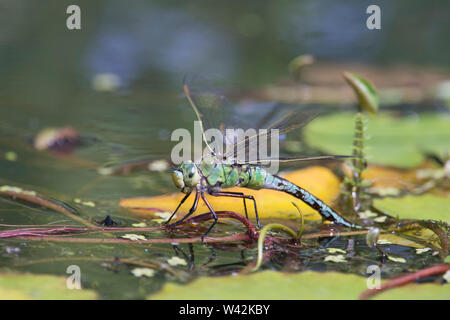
pixel 217 114
pixel 267 161
pixel 248 147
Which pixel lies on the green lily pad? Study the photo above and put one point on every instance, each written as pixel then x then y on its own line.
pixel 416 207
pixel 269 285
pixel 417 292
pixel 41 287
pixel 393 141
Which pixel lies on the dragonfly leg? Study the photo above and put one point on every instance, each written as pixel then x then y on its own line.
pixel 232 194
pixel 191 210
pixel 213 213
pixel 179 205
pixel 239 195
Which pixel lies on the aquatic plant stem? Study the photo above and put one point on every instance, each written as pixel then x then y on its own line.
pixel 49 203
pixel 237 237
pixel 405 279
pixel 262 236
pixel 302 222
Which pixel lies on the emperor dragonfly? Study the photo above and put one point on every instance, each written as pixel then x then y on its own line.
pixel 215 172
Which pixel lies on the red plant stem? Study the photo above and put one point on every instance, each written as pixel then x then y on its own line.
pixel 33 231
pixel 224 214
pixel 36 234
pixel 237 237
pixel 405 279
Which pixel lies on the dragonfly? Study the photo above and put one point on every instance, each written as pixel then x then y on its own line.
pixel 214 172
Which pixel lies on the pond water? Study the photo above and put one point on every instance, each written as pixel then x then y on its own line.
pixel 118 81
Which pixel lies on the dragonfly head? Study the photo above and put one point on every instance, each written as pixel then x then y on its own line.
pixel 186 177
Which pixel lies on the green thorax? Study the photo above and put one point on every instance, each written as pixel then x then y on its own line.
pixel 225 175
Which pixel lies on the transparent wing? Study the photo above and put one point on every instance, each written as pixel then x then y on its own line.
pixel 244 127
pixel 257 146
pixel 216 114
pixel 267 161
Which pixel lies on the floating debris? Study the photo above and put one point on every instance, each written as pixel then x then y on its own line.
pixel 384 192
pixel 18 190
pixel 337 259
pixel 12 250
pixel 158 165
pixel 139 225
pixel 380 219
pixel 133 237
pixel 58 139
pixel 84 203
pixel 143 272
pixel 367 214
pixel 10 156
pixel 126 167
pixel 422 250
pixel 336 250
pixel 175 261
pixel 396 259
pixel 163 215
pixel 106 82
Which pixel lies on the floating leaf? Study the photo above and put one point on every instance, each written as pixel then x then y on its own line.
pixel 394 141
pixel 320 181
pixel 260 286
pixel 365 91
pixel 423 235
pixel 416 207
pixel 42 287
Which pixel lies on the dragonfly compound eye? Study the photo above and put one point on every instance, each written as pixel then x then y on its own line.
pixel 192 177
pixel 177 177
